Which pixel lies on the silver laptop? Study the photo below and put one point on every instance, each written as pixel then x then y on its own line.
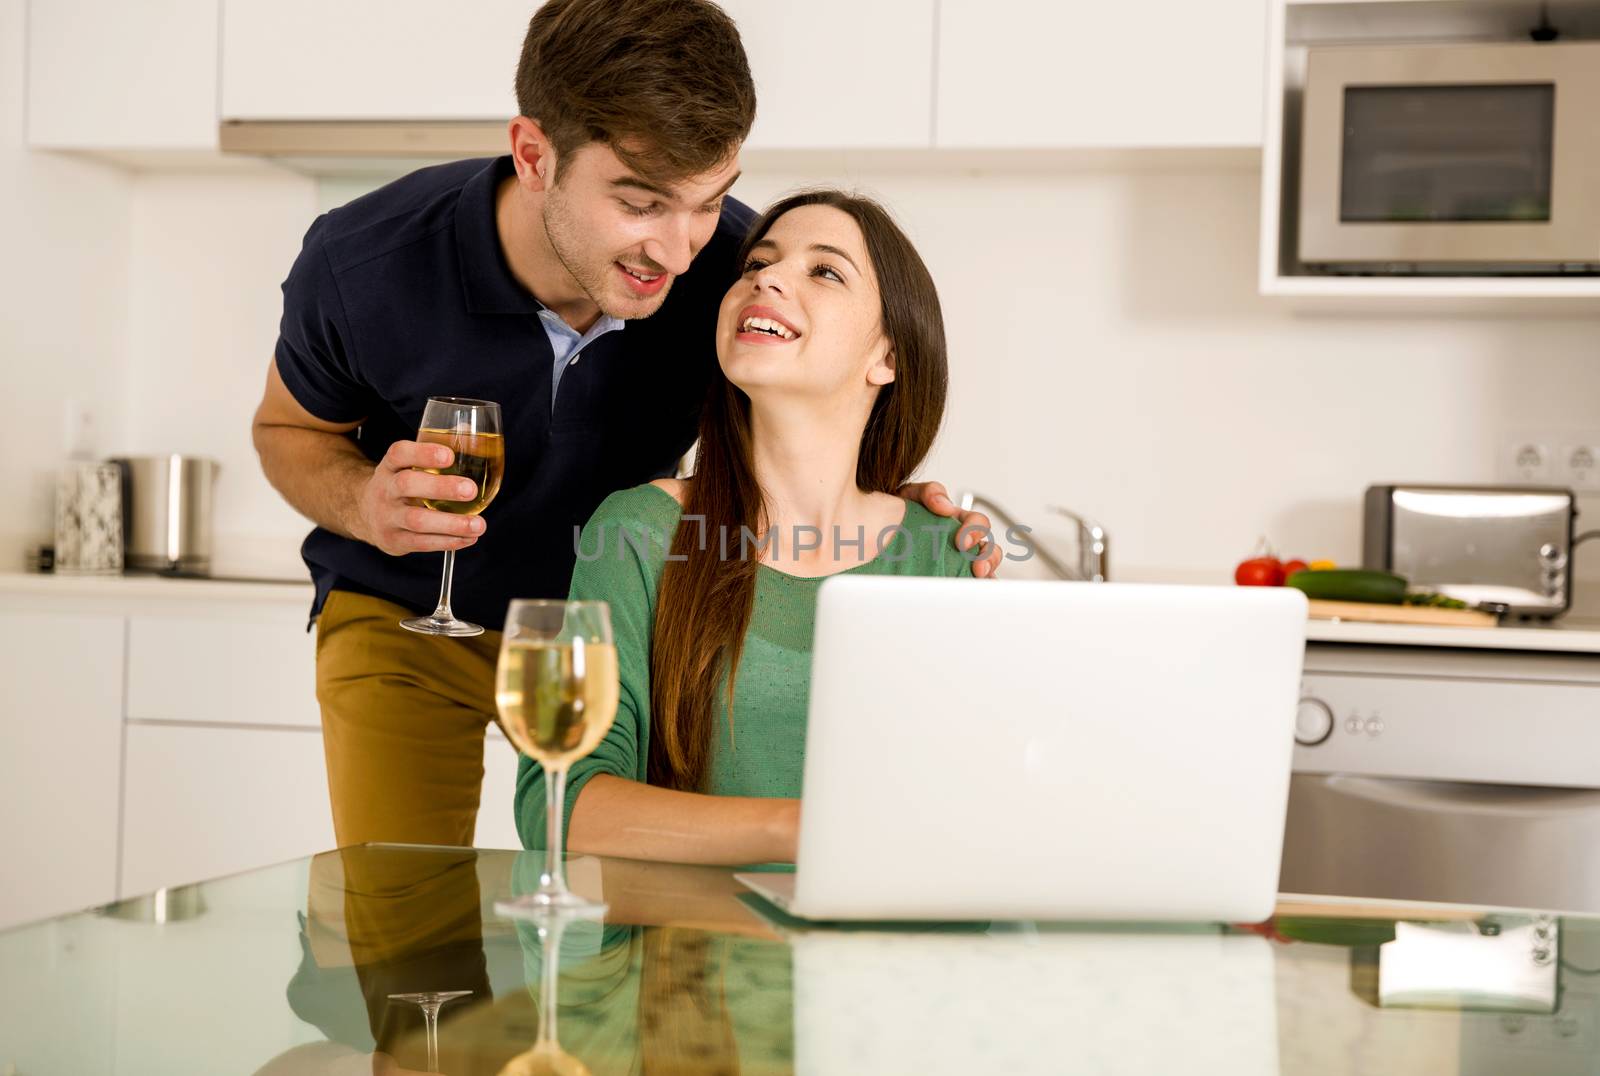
pixel 1043 750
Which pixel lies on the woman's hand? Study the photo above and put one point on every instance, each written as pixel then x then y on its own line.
pixel 974 525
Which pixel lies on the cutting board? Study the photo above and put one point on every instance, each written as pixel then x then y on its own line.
pixel 1377 613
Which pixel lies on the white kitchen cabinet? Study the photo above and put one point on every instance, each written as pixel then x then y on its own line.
pixel 213 686
pixel 208 800
pixel 60 757
pixel 841 74
pixel 497 826
pixel 1035 74
pixel 371 59
pixel 239 665
pixel 205 801
pixel 427 60
pixel 104 74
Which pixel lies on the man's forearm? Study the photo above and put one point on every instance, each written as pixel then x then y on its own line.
pixel 616 817
pixel 320 474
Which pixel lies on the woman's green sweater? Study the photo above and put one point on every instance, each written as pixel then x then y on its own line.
pixel 760 751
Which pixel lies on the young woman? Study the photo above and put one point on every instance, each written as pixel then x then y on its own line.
pixel 832 352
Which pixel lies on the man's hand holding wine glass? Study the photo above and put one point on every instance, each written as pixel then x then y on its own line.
pixel 390 515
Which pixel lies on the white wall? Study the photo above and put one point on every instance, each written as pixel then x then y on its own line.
pixel 209 254
pixel 64 257
pixel 1109 352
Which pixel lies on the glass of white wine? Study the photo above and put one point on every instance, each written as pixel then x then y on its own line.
pixel 556 690
pixel 471 430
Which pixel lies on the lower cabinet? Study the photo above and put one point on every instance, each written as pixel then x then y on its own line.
pixel 204 800
pixel 60 748
pixel 161 742
pixel 497 826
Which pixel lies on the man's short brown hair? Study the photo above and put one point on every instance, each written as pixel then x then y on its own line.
pixel 664 83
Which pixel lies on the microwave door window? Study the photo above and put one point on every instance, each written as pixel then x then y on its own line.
pixel 1425 154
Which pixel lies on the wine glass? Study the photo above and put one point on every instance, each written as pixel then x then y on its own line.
pixel 470 429
pixel 547 1058
pixel 556 690
pixel 431 1001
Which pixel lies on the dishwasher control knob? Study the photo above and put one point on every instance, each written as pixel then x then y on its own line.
pixel 1313 722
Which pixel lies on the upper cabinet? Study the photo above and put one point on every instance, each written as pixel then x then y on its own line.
pixel 839 74
pixel 1040 74
pixel 427 60
pixel 121 76
pixel 371 59
pixel 163 75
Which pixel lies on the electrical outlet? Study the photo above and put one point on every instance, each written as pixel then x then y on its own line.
pixel 1578 464
pixel 1528 458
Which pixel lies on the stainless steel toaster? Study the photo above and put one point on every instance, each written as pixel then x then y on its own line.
pixel 1506 544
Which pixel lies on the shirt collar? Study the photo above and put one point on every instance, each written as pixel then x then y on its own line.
pixel 605 324
pixel 486 278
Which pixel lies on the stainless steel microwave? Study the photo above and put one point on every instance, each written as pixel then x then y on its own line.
pixel 1451 159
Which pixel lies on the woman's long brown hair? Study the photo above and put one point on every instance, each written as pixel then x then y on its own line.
pixel 704 601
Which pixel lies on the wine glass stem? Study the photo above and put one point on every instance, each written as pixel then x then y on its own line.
pixel 430 1014
pixel 443 611
pixel 553 881
pixel 548 992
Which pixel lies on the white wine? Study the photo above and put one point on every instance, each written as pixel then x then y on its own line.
pixel 478 456
pixel 555 704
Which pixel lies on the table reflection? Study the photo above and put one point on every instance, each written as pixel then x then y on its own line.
pixel 692 974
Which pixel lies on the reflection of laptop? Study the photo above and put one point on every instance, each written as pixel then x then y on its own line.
pixel 1034 750
pixel 1022 1003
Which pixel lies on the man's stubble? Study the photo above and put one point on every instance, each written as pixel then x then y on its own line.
pixel 561 230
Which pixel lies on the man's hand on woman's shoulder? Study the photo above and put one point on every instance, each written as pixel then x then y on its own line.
pixel 975 526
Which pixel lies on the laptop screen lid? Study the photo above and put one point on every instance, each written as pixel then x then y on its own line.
pixel 1019 749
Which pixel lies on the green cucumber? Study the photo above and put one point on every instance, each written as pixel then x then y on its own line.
pixel 1350 585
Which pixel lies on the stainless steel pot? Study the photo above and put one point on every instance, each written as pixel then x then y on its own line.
pixel 167 505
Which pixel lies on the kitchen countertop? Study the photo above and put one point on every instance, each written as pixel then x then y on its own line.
pixel 138 587
pixel 1565 635
pixel 294 968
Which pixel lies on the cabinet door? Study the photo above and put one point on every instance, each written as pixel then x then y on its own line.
pixel 203 801
pixel 107 74
pixel 60 758
pixel 1036 74
pixel 240 665
pixel 372 59
pixel 839 73
pixel 497 823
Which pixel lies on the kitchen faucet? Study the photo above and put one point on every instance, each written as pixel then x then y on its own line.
pixel 1093 564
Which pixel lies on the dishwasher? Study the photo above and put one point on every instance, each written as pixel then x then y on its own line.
pixel 1460 775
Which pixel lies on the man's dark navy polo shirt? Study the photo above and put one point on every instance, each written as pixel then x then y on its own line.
pixel 403 294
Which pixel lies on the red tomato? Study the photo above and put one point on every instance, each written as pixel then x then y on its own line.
pixel 1259 572
pixel 1292 566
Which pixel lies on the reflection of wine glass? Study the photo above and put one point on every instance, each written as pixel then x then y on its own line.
pixel 556 690
pixel 431 1001
pixel 470 429
pixel 547 1058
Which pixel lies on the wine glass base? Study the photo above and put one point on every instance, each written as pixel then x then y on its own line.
pixel 452 628
pixel 430 997
pixel 543 906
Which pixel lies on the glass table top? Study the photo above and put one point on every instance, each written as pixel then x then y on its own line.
pixel 294 969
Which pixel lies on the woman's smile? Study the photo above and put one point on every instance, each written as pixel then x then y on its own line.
pixel 762 325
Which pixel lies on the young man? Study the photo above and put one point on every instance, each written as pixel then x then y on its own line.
pixel 576 283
